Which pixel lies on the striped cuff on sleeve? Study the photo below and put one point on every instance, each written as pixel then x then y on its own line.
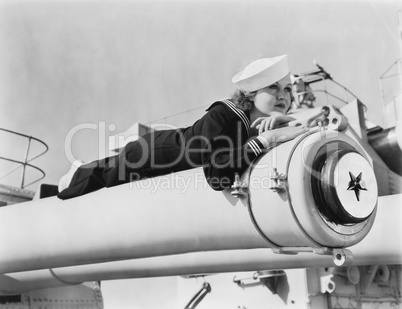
pixel 256 146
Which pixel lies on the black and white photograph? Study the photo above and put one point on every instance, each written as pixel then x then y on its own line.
pixel 209 154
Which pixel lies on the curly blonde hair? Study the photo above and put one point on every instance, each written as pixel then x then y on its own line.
pixel 242 99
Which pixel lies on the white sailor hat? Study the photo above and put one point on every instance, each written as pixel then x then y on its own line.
pixel 261 73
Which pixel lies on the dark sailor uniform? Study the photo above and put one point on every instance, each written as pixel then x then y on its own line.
pixel 220 142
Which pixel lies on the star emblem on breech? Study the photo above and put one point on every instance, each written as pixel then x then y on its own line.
pixel 355 185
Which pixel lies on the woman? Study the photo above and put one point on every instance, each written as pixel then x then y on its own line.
pixel 225 141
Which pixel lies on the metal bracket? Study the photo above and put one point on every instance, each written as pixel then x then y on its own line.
pixel 277 182
pixel 240 189
pixel 269 278
pixel 318 119
pixel 327 118
pixel 327 285
pixel 340 257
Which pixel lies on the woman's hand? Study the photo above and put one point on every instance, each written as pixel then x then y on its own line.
pixel 281 135
pixel 274 120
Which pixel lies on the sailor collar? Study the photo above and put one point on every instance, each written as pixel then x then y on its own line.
pixel 241 114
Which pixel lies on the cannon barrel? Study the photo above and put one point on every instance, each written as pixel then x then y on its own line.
pixel 299 196
pixel 367 252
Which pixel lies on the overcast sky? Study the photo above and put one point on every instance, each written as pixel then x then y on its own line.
pixel 104 65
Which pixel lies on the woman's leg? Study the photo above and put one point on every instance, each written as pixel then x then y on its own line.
pixel 108 172
pixel 87 178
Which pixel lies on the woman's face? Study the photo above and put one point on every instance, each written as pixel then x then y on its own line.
pixel 274 98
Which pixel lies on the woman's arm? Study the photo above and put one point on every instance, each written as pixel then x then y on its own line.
pixel 274 120
pixel 231 151
pixel 227 149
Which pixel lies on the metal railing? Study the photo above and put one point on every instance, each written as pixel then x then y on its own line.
pixel 389 74
pixel 26 163
pixel 391 92
pixel 348 96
